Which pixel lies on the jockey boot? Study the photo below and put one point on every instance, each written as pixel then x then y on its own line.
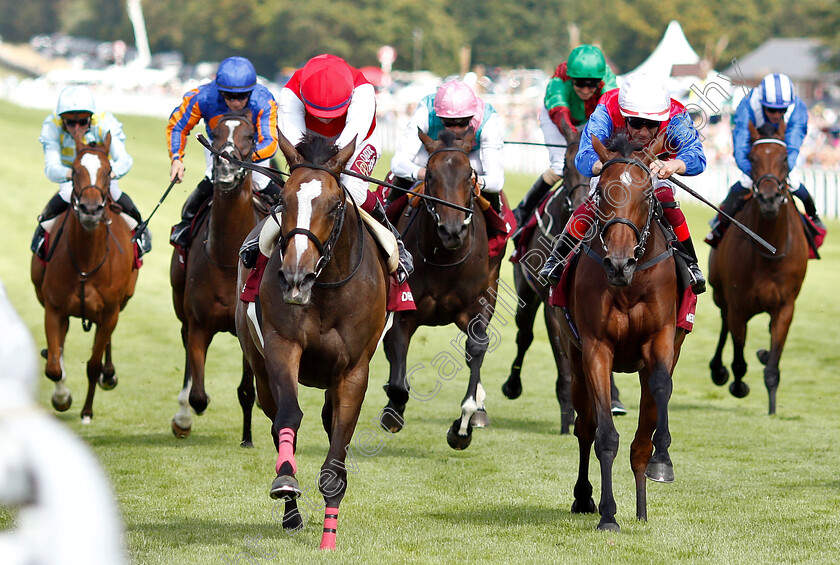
pixel 180 236
pixel 556 262
pixel 406 261
pixel 53 208
pixel 731 205
pixel 271 194
pixel 401 182
pixel 698 281
pixel 810 208
pixel 531 200
pixel 142 235
pixel 495 200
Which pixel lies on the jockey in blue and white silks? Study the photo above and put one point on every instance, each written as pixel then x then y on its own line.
pixel 774 101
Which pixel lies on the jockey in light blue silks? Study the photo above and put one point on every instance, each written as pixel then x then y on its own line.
pixel 774 101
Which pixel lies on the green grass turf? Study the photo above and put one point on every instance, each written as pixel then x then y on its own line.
pixel 749 488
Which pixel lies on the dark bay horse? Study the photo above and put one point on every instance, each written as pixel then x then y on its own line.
pixel 204 290
pixel 747 280
pixel 454 280
pixel 623 299
pixel 91 273
pixel 322 309
pixel 533 290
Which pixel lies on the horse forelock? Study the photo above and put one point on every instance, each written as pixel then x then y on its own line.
pixel 447 137
pixel 316 149
pixel 621 143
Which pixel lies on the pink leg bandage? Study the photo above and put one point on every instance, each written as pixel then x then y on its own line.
pixel 330 527
pixel 286 449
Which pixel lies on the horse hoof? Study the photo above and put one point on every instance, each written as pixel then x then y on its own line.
pixel 660 472
pixel 456 441
pixel 62 406
pixel 583 506
pixel 178 431
pixel 763 355
pixel 720 375
pixel 510 391
pixel 608 526
pixel 618 408
pixel 285 487
pixel 739 389
pixel 86 419
pixel 480 419
pixel 107 383
pixel 247 444
pixel 391 418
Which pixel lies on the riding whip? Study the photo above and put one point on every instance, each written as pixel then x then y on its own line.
pixel 534 143
pixel 747 230
pixel 274 175
pixel 142 225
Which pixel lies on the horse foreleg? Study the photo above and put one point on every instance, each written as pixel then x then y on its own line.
pixel 56 326
pixel 563 386
pixel 459 434
pixel 108 379
pixel 525 315
pixel 598 360
pixel 246 394
pixel 282 365
pixel 719 372
pixel 102 338
pixel 396 343
pixel 779 326
pixel 585 432
pixel 739 388
pixel 346 401
pixel 642 447
pixel 198 340
pixel 182 421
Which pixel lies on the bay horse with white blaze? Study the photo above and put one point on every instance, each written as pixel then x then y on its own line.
pixel 748 280
pixel 454 279
pixel 204 291
pixel 90 273
pixel 533 290
pixel 321 311
pixel 623 298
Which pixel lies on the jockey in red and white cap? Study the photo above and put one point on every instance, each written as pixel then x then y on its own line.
pixel 330 98
pixel 454 107
pixel 645 108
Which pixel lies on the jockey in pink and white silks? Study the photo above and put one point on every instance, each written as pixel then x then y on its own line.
pixel 330 98
pixel 76 111
pixel 235 89
pixel 645 108
pixel 774 101
pixel 454 107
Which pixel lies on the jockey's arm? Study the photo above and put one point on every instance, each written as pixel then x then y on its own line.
pixel 360 115
pixel 121 161
pixel 292 116
pixel 491 152
pixel 741 136
pixel 54 169
pixel 181 122
pixel 265 128
pixel 600 125
pixel 795 131
pixel 682 137
pixel 409 146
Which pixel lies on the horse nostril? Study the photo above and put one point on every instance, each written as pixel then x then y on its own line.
pixel 281 280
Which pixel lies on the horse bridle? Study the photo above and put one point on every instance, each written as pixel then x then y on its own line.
pixel 781 183
pixel 325 249
pixel 430 206
pixel 641 235
pixel 238 155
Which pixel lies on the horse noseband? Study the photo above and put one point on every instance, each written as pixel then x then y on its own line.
pixel 641 235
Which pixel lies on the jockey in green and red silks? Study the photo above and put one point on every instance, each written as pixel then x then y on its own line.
pixel 645 108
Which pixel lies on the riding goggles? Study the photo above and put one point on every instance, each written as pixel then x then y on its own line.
pixel 639 123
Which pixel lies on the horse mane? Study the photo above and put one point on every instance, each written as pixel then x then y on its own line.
pixel 620 142
pixel 447 137
pixel 316 149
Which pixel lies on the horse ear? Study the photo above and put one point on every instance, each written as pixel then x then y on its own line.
pixel 753 132
pixel 780 133
pixel 568 131
pixel 468 139
pixel 107 143
pixel 79 138
pixel 289 151
pixel 339 160
pixel 599 148
pixel 427 141
pixel 656 147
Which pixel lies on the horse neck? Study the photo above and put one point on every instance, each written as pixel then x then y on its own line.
pixel 231 218
pixel 773 230
pixel 87 246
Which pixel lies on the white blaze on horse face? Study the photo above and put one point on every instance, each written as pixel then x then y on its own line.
pixel 92 163
pixel 307 192
pixel 626 178
pixel 232 125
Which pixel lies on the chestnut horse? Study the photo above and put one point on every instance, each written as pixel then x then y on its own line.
pixel 454 280
pixel 91 273
pixel 623 299
pixel 322 309
pixel 204 290
pixel 746 279
pixel 533 290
